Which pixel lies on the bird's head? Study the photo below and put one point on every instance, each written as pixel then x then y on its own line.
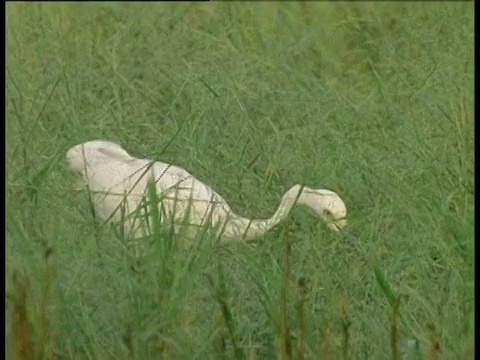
pixel 328 205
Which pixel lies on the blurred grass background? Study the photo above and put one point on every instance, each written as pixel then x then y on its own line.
pixel 371 100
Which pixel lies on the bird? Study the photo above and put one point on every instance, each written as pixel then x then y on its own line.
pixel 119 185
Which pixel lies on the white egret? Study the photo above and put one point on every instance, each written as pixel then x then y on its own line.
pixel 119 182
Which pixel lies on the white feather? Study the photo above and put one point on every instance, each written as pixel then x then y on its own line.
pixel 118 183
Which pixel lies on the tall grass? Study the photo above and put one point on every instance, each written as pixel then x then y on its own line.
pixel 374 101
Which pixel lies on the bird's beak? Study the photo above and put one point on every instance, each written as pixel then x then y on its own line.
pixel 338 225
pixel 341 223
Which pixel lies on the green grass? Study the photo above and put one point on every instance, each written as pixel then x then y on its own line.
pixel 374 101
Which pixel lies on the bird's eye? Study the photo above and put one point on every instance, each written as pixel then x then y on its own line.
pixel 327 212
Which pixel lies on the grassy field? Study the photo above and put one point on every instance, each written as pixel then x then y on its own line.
pixel 373 101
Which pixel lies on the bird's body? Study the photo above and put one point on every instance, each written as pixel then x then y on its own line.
pixel 119 182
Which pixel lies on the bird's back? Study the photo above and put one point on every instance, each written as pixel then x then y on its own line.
pixel 118 188
pixel 186 198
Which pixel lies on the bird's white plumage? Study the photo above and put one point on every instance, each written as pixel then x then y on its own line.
pixel 118 183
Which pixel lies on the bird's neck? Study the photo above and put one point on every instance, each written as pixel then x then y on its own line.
pixel 240 228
